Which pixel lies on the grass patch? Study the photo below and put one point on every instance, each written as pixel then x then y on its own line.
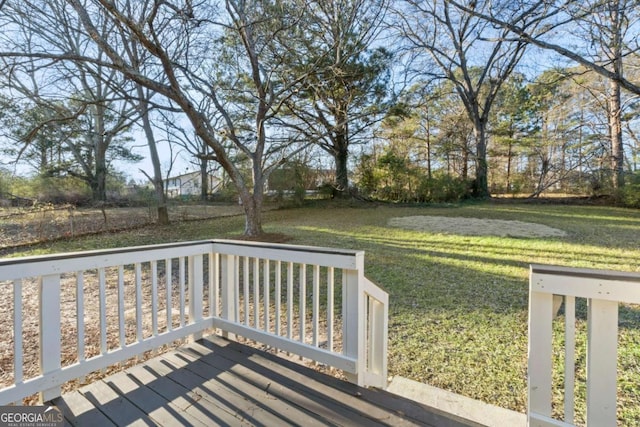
pixel 458 314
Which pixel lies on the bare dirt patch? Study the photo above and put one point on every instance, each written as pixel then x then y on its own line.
pixel 475 226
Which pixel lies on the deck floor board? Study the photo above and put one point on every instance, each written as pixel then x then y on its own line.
pixel 287 414
pixel 117 408
pixel 297 389
pixel 160 410
pixel 220 382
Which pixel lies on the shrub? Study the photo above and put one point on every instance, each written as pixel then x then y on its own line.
pixel 444 188
pixel 63 190
pixel 327 190
pixel 55 190
pixel 228 193
pixel 629 195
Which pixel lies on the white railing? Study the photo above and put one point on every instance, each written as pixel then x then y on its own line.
pixel 67 315
pixel 550 287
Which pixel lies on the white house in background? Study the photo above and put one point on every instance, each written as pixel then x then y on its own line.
pixel 189 184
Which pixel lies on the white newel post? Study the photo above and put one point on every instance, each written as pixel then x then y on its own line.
pixel 602 351
pixel 354 325
pixel 196 293
pixel 540 354
pixel 377 341
pixel 50 336
pixel 214 284
pixel 228 266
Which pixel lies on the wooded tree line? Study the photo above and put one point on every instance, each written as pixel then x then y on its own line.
pixel 548 135
pixel 411 100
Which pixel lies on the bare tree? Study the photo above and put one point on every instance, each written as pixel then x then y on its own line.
pixel 85 96
pixel 607 25
pixel 183 43
pixel 543 18
pixel 230 56
pixel 607 34
pixel 456 45
pixel 142 102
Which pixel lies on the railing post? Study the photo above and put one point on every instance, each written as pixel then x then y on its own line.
pixel 229 289
pixel 602 362
pixel 50 337
pixel 377 341
pixel 540 354
pixel 214 284
pixel 196 293
pixel 353 322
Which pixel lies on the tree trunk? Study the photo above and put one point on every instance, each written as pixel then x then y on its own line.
pixel 429 173
pixel 428 129
pixel 482 181
pixel 615 126
pixel 204 180
pixel 615 130
pixel 252 205
pixel 341 156
pixel 509 156
pixel 615 119
pixel 253 217
pixel 93 184
pixel 100 178
pixel 100 148
pixel 43 166
pixel 158 183
pixel 464 171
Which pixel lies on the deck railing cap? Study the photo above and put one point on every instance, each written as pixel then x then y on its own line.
pixel 282 246
pixel 121 250
pixel 590 273
pixel 86 254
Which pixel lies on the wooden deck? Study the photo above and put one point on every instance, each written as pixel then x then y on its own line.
pixel 218 382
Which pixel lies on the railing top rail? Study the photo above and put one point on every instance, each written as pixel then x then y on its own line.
pixel 98 252
pixel 61 263
pixel 293 248
pixel 586 283
pixel 14 268
pixel 337 258
pixel 587 273
pixel 129 249
pixel 375 291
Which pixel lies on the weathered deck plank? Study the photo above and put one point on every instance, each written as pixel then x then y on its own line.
pixel 180 397
pixel 159 409
pixel 79 411
pixel 326 403
pixel 260 400
pixel 116 407
pixel 218 382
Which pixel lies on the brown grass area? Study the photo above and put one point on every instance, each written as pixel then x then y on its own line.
pixel 19 226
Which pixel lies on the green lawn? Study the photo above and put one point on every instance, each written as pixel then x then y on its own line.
pixel 458 309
